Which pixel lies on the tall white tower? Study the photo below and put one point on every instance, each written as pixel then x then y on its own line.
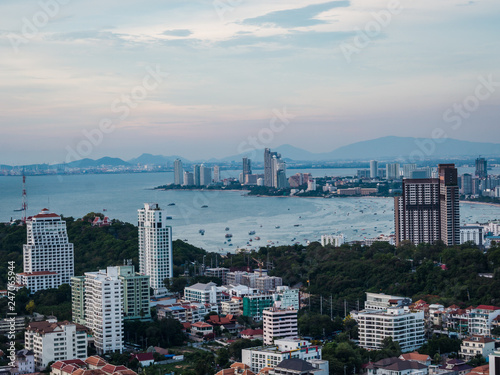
pixel 48 257
pixel 155 247
pixel 104 309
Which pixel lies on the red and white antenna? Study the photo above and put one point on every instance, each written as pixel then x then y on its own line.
pixel 24 205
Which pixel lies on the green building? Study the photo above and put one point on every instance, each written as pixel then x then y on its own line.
pixel 253 305
pixel 78 299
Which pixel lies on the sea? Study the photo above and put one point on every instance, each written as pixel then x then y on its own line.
pixel 252 221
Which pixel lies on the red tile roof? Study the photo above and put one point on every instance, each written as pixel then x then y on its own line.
pixel 252 332
pixel 201 325
pixel 144 356
pixel 415 356
pixel 240 365
pixel 487 307
pixel 95 360
pixel 110 369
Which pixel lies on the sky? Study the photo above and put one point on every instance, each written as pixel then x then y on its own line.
pixel 205 79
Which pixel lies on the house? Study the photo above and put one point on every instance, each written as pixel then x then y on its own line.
pixel 225 322
pixel 456 367
pixel 93 365
pixel 202 329
pixel 475 345
pixel 95 362
pixel 25 361
pixel 252 334
pixel 396 366
pixel 145 359
pixel 416 357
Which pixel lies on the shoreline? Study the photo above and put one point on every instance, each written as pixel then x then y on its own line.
pixel 483 203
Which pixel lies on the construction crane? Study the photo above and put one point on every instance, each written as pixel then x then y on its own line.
pixel 260 263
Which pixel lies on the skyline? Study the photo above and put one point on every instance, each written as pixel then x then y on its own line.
pixel 208 76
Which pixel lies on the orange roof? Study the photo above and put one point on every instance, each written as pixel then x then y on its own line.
pixel 265 370
pixel 480 370
pixel 110 369
pixel 95 360
pixel 201 325
pixel 415 356
pixel 88 372
pixel 240 365
pixel 226 371
pixel 487 307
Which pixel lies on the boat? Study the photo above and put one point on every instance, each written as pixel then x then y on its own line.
pixel 202 231
pixel 171 204
pixel 277 227
pixel 227 228
pixel 296 225
pixel 204 206
pixel 169 217
pixel 228 235
pixel 257 238
pixel 18 210
pixel 104 209
pixel 251 233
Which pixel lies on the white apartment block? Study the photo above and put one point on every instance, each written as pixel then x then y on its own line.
pixel 329 239
pixel 381 301
pixel 104 309
pixel 155 247
pixel 475 345
pixel 270 356
pixel 472 233
pixel 25 362
pixel 203 293
pixel 404 326
pixel 279 323
pixel 48 257
pixel 55 341
pixel 480 319
pixel 232 307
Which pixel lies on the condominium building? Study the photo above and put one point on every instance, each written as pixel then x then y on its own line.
pixel 55 341
pixel 449 204
pixel 334 240
pixel 480 319
pixel 104 309
pixel 48 256
pixel 287 297
pixel 392 171
pixel 476 345
pixel 205 175
pixel 472 233
pixel 188 179
pixel 373 169
pixel 404 326
pixel 219 272
pixel 78 299
pixel 232 307
pixel 203 293
pixel 481 168
pixel 155 247
pixel 247 167
pixel 270 356
pixel 416 212
pixel 178 172
pixel 253 306
pixel 494 362
pixel 279 323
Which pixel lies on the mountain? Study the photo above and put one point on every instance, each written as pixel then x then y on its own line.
pixel 411 148
pixel 385 148
pixel 156 159
pixel 88 163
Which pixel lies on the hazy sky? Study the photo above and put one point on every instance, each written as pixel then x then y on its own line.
pixel 343 71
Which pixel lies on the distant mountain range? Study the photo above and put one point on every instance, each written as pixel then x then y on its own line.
pixel 385 148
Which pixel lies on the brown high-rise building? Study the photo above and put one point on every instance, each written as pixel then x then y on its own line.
pixel 449 204
pixel 428 209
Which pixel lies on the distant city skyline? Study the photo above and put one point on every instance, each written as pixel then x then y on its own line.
pixel 207 78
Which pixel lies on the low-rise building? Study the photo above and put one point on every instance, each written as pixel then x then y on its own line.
pixel 232 307
pixel 396 366
pixel 295 366
pixel 270 356
pixel 219 272
pixel 481 318
pixel 25 361
pixel 476 345
pixel 55 341
pixel 203 293
pixel 202 329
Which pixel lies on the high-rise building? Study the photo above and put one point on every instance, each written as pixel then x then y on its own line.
pixel 428 209
pixel 407 168
pixel 279 173
pixel 279 323
pixel 247 167
pixel 48 256
pixel 449 204
pixel 416 212
pixel 216 173
pixel 205 175
pixel 197 175
pixel 270 167
pixel 373 169
pixel 188 179
pixel 155 246
pixel 104 309
pixel 178 172
pixel 481 168
pixel 466 184
pixel 392 171
pixel 136 294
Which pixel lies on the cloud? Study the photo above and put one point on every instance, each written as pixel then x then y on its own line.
pixel 177 32
pixel 293 18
